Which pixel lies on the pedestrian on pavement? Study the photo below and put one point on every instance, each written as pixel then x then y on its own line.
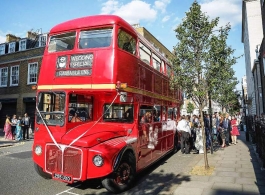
pixel 184 128
pixel 7 128
pixel 19 129
pixel 26 125
pixel 222 132
pixel 214 125
pixel 234 132
pixel 13 125
pixel 199 139
pixel 227 129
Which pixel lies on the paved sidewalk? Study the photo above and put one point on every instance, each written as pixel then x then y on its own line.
pixel 237 171
pixel 5 143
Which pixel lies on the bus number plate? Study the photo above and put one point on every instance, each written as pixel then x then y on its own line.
pixel 62 177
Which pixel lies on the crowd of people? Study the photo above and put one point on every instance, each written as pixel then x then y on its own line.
pixel 17 128
pixel 223 131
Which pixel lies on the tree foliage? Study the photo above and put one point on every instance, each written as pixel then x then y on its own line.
pixel 190 108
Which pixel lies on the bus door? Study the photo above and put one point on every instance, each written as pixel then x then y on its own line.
pixel 159 142
pixel 171 127
pixel 144 127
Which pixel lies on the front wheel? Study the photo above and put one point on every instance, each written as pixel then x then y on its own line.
pixel 122 178
pixel 40 171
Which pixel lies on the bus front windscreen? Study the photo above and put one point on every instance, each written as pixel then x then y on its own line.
pixel 51 106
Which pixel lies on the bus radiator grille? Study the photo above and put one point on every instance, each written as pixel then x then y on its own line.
pixel 70 163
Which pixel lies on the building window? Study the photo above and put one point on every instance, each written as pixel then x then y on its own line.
pixel 42 40
pixel 32 73
pixel 14 75
pixel 22 45
pixel 2 49
pixel 3 77
pixel 12 47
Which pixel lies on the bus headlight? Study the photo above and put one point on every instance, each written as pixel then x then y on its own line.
pixel 38 150
pixel 98 160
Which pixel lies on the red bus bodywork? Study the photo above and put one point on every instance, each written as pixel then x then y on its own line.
pixel 102 78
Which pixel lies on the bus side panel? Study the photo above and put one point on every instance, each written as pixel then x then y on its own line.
pixel 158 140
pixel 158 82
pixel 145 153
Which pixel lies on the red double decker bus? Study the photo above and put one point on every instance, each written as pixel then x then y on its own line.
pixel 104 106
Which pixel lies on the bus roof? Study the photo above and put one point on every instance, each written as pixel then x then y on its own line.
pixel 88 21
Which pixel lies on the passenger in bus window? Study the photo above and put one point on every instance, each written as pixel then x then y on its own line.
pixel 148 117
pixel 75 118
pixel 164 116
pixel 143 119
pixel 71 114
pixel 90 113
pixel 128 114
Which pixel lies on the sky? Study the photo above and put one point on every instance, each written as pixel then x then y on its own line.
pixel 159 17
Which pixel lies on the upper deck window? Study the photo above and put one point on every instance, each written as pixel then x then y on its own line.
pixel 145 53
pixel 126 42
pixel 95 38
pixel 168 70
pixel 62 42
pixel 156 62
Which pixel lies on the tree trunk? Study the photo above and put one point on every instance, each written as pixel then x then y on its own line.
pixel 206 164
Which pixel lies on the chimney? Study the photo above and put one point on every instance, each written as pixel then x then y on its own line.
pixel 31 35
pixel 10 38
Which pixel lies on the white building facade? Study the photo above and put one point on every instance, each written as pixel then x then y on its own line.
pixel 251 38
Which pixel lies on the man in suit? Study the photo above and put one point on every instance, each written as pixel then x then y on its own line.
pixel 25 125
pixel 227 128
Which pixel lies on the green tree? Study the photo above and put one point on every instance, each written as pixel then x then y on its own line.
pixel 190 108
pixel 195 60
pixel 220 74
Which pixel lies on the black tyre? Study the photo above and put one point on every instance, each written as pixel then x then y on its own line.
pixel 122 178
pixel 40 171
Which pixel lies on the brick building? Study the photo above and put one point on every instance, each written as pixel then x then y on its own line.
pixel 20 61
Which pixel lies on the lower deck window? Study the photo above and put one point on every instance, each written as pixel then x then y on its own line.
pixel 118 113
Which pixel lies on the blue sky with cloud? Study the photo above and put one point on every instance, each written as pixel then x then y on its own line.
pixel 160 17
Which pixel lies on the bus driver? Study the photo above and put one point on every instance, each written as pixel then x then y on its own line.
pixel 75 118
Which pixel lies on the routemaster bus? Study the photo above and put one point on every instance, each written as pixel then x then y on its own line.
pixel 104 107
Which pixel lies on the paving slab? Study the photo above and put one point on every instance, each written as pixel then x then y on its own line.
pixel 237 171
pixel 188 191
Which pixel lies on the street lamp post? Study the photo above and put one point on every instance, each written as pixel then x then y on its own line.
pixel 245 113
pixel 211 126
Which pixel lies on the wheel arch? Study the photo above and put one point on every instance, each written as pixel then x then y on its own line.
pixel 120 155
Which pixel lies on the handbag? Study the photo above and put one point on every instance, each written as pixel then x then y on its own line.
pixel 30 130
